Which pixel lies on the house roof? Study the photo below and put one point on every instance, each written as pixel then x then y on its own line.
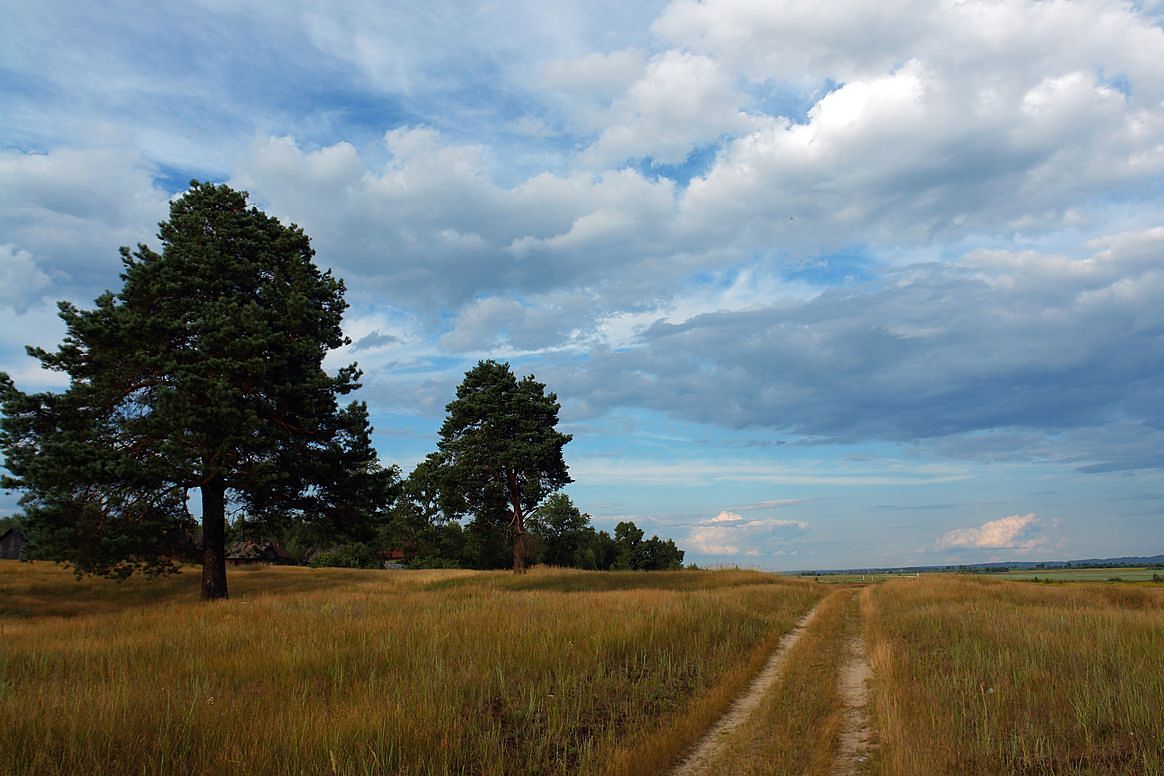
pixel 251 550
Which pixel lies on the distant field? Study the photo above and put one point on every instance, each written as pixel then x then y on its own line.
pixel 1123 574
pixel 854 579
pixel 567 672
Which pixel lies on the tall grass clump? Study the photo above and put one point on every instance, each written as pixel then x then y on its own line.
pixel 982 676
pixel 351 672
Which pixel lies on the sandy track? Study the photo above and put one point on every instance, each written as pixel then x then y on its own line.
pixel 857 732
pixel 700 760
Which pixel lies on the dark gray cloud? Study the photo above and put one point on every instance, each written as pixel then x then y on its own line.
pixel 985 356
pixel 373 340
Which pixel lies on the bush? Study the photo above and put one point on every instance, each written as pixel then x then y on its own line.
pixel 347 556
pixel 433 562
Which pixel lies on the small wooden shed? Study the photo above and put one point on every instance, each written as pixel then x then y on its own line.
pixel 12 544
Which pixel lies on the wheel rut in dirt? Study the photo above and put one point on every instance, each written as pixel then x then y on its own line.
pixel 856 737
pixel 709 747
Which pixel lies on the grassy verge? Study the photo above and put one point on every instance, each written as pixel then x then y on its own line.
pixel 307 671
pixel 988 676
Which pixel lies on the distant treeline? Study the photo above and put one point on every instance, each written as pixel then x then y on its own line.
pixel 559 535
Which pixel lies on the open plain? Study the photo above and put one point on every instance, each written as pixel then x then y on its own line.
pixel 331 671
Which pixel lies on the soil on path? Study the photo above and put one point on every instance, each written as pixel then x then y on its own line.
pixel 857 731
pixel 710 746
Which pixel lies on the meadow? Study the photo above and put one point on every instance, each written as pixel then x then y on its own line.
pixel 332 671
pixel 558 671
pixel 1114 574
pixel 977 675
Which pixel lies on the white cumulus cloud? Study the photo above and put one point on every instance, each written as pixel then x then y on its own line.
pixel 730 534
pixel 727 517
pixel 21 279
pixel 681 101
pixel 1006 533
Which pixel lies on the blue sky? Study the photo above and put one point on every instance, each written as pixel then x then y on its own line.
pixel 818 287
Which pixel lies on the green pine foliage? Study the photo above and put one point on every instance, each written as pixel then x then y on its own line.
pixel 203 372
pixel 500 453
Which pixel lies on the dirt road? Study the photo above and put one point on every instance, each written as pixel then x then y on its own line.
pixel 857 732
pixel 736 743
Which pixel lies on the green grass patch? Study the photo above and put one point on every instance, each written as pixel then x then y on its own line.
pixel 1121 574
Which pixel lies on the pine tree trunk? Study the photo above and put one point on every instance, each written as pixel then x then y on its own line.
pixel 214 539
pixel 519 553
pixel 518 526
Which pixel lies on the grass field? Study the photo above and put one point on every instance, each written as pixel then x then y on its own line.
pixel 1121 574
pixel 314 671
pixel 351 672
pixel 855 579
pixel 977 675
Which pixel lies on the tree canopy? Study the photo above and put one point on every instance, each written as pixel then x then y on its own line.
pixel 563 531
pixel 203 373
pixel 632 551
pixel 500 451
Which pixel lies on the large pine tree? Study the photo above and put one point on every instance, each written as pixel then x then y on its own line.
pixel 204 372
pixel 500 451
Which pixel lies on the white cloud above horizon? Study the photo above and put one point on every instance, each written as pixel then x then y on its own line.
pixel 1006 533
pixel 730 534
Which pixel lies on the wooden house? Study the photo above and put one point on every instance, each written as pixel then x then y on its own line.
pixel 248 552
pixel 11 544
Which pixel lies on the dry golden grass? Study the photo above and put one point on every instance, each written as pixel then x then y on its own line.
pixel 991 677
pixel 314 671
pixel 336 671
